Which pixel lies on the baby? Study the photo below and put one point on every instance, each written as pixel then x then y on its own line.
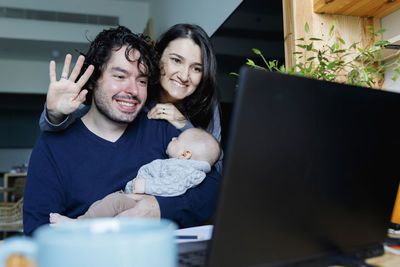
pixel 191 156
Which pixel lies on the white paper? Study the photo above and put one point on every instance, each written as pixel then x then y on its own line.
pixel 201 233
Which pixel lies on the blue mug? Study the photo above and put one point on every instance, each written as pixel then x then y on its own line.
pixel 106 242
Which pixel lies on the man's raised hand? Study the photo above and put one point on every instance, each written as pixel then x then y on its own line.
pixel 66 95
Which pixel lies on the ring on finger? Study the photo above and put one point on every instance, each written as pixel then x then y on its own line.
pixel 63 76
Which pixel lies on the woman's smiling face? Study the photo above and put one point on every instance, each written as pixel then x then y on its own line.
pixel 181 70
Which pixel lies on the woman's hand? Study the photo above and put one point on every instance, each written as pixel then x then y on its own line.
pixel 65 95
pixel 169 113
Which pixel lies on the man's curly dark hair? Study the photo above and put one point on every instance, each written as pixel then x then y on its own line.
pixel 113 39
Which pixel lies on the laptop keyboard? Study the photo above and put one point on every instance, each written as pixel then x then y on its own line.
pixel 193 259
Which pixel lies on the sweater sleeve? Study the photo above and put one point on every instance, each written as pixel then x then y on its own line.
pixel 215 129
pixel 47 126
pixel 43 191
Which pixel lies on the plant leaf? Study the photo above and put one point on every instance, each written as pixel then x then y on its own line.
pixel 331 65
pixel 380 31
pixel 353 45
pixel 250 62
pixel 306 28
pixel 365 75
pixel 310 67
pixel 370 28
pixel 256 51
pixel 271 64
pixel 332 28
pixel 396 76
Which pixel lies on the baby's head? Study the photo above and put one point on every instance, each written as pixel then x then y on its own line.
pixel 196 144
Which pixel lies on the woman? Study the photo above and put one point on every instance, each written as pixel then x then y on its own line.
pixel 186 96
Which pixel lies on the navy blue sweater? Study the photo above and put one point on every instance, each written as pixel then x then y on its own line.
pixel 70 170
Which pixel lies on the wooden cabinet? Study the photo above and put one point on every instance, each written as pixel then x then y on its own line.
pixel 359 8
pixel 14 184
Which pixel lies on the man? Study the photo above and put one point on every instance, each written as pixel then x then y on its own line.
pixel 99 153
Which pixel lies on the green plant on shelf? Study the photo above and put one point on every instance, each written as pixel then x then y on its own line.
pixel 335 61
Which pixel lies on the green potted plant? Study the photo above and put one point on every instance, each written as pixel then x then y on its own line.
pixel 336 61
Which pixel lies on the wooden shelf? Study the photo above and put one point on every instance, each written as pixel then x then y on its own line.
pixel 360 8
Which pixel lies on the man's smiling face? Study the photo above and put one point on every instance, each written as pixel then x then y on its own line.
pixel 121 90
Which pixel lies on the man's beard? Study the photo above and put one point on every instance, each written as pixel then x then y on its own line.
pixel 107 112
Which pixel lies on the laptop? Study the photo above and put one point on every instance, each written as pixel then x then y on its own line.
pixel 310 174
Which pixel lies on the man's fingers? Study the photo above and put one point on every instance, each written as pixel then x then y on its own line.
pixel 82 96
pixel 52 71
pixel 85 77
pixel 67 63
pixel 77 68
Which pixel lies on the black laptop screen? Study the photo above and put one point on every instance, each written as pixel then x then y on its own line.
pixel 311 172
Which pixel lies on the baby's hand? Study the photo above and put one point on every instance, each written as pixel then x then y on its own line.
pixel 138 185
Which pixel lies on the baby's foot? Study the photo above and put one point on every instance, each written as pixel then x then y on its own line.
pixel 58 218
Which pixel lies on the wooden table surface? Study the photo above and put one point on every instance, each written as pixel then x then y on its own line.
pixel 387 260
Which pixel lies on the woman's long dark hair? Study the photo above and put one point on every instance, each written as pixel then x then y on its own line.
pixel 199 106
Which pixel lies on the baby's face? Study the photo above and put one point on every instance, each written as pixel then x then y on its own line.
pixel 177 145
